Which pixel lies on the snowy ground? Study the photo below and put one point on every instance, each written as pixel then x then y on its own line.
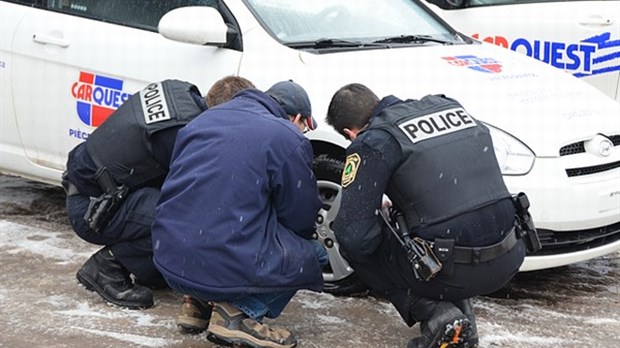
pixel 41 303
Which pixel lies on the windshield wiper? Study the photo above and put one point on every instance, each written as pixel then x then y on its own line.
pixel 404 39
pixel 330 43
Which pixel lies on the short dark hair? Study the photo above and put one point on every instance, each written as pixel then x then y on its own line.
pixel 351 107
pixel 225 88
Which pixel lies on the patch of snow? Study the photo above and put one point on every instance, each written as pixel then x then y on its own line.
pixel 17 238
pixel 131 338
pixel 330 320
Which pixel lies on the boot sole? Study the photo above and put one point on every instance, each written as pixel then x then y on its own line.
pixel 457 335
pixel 221 342
pixel 231 338
pixel 192 326
pixel 91 285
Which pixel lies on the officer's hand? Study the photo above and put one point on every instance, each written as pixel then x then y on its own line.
pixel 386 205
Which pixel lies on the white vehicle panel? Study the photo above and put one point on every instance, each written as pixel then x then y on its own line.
pixel 579 37
pixel 11 146
pixel 67 60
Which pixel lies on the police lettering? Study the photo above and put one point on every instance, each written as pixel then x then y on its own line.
pixel 154 104
pixel 440 123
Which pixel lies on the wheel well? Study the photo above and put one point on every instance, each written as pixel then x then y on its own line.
pixel 325 148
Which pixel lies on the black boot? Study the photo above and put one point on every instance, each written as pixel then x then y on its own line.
pixel 447 327
pixel 467 309
pixel 105 275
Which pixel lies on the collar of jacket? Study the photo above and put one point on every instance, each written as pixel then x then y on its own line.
pixel 384 103
pixel 263 99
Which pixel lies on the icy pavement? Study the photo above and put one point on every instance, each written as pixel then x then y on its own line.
pixel 42 305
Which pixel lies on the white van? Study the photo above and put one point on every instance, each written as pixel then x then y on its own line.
pixel 581 37
pixel 66 65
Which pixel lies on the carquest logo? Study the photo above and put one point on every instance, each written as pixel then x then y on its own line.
pixel 486 65
pixel 97 97
pixel 594 55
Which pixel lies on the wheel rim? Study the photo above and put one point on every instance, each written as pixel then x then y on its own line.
pixel 338 268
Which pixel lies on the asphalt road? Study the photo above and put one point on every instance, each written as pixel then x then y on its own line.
pixel 42 305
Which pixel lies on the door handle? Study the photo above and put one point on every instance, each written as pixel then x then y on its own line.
pixel 50 40
pixel 597 20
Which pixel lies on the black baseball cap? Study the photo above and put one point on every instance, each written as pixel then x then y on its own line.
pixel 294 100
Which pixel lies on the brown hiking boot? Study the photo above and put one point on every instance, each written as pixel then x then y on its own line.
pixel 231 327
pixel 194 315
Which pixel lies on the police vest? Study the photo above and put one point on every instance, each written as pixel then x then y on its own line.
pixel 122 143
pixel 448 165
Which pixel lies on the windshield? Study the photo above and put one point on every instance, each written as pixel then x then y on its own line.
pixel 340 22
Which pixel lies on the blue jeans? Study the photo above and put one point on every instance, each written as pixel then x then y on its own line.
pixel 255 306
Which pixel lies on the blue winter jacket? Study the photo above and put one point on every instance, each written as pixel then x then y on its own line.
pixel 239 203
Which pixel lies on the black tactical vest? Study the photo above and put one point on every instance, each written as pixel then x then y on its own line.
pixel 449 165
pixel 122 143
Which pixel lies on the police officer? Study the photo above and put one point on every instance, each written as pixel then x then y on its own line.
pixel 437 165
pixel 113 180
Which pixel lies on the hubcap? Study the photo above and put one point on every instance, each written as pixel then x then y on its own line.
pixel 338 268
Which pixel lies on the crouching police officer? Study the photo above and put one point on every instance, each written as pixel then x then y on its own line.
pixel 113 181
pixel 454 236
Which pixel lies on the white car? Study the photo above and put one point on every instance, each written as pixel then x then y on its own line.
pixel 66 65
pixel 581 37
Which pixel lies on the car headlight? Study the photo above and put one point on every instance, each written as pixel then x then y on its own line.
pixel 514 157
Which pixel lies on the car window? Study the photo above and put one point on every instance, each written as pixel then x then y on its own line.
pixel 28 2
pixel 474 3
pixel 144 14
pixel 453 4
pixel 362 20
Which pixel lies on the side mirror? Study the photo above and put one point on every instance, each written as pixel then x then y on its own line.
pixel 201 25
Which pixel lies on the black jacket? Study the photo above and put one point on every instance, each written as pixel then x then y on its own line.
pixel 135 143
pixel 422 181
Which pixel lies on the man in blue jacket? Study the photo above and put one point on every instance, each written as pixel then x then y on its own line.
pixel 236 214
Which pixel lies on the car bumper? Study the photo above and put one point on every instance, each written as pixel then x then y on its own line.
pixel 533 263
pixel 578 217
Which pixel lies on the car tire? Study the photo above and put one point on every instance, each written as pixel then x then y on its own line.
pixel 340 278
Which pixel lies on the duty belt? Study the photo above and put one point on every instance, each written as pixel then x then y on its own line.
pixel 475 255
